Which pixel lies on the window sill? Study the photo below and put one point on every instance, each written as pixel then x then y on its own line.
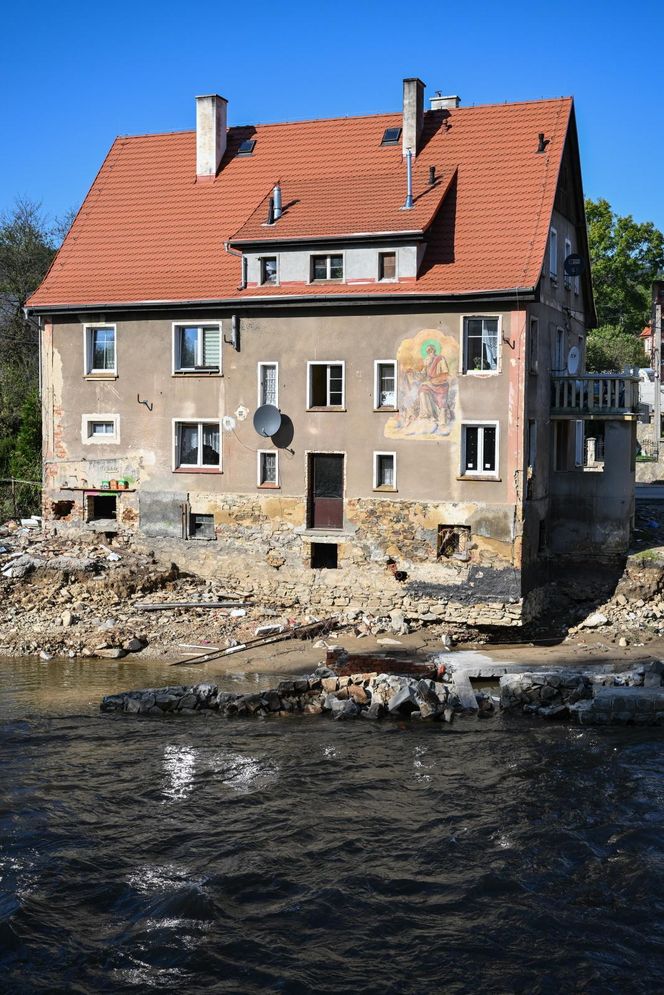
pixel 196 373
pixel 390 411
pixel 385 490
pixel 316 283
pixel 480 373
pixel 479 476
pixel 268 487
pixel 197 469
pixel 331 407
pixel 100 376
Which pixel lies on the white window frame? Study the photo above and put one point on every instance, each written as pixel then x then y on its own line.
pixel 328 363
pixel 533 345
pixel 259 383
pixel 567 280
pixel 480 423
pixel 499 340
pixel 384 487
pixel 266 283
pixel 328 256
pixel 88 368
pixel 553 254
pixel 88 420
pixel 191 467
pixel 387 279
pixel 175 344
pixel 266 483
pixel 377 365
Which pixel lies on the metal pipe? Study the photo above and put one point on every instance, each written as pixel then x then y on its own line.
pixel 277 201
pixel 409 179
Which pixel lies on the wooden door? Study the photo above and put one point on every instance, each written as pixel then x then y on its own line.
pixel 326 491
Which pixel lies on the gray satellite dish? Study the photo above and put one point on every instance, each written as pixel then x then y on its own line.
pixel 267 420
pixel 573 361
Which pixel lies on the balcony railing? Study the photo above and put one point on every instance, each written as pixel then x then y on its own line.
pixel 600 394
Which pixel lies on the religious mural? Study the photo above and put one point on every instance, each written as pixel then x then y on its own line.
pixel 427 369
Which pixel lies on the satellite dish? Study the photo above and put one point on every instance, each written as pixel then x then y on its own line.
pixel 573 361
pixel 267 420
pixel 574 264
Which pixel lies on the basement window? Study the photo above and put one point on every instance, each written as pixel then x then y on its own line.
pixel 102 507
pixel 391 136
pixel 324 556
pixel 246 147
pixel 201 526
pixel 453 542
pixel 385 472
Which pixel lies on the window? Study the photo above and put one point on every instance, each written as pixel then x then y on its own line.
pixel 533 345
pixel 553 254
pixel 101 507
pixel 480 450
pixel 197 444
pixel 387 265
pixel 100 349
pixel 566 277
pixel 326 385
pixel 452 542
pixel 268 388
pixel 327 267
pixel 391 136
pixel 324 556
pixel 561 446
pixel 100 428
pixel 385 384
pixel 201 526
pixel 593 452
pixel 385 471
pixel 268 468
pixel 269 270
pixel 196 348
pixel 246 147
pixel 480 345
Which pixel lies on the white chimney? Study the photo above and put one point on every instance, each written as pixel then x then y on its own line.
pixel 210 134
pixel 440 103
pixel 413 114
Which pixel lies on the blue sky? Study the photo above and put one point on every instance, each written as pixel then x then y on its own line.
pixel 75 75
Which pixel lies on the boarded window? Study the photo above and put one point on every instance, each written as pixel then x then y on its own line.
pixel 387 265
pixel 201 526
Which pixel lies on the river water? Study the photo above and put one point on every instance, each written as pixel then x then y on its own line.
pixel 303 855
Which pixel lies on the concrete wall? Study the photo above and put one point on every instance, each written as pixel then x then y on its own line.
pixel 360 264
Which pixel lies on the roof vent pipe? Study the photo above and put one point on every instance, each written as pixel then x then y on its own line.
pixel 409 180
pixel 542 143
pixel 270 211
pixel 432 175
pixel 276 195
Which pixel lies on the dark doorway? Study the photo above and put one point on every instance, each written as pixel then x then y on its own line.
pixel 101 507
pixel 326 491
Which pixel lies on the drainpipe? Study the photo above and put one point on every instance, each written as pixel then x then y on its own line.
pixel 409 179
pixel 238 255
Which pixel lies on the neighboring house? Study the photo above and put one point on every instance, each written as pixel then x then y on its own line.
pixel 420 338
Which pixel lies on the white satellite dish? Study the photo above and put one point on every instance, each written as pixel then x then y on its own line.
pixel 573 361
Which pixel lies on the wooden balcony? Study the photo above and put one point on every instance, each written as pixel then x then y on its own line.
pixel 598 395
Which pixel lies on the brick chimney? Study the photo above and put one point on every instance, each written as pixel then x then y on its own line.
pixel 210 134
pixel 413 114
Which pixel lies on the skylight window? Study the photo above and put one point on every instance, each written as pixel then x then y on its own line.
pixel 391 136
pixel 246 147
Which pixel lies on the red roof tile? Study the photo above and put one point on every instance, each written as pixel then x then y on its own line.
pixel 147 231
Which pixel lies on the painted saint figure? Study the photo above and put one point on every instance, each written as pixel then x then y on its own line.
pixel 427 365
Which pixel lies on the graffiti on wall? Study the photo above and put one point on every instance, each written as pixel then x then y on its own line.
pixel 427 369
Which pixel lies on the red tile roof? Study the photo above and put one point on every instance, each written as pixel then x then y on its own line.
pixel 149 232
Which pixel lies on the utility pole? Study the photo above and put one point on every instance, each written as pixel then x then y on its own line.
pixel 657 363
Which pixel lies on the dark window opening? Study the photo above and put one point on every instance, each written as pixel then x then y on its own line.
pixel 269 269
pixel 453 542
pixel 561 446
pixel 387 265
pixel 62 509
pixel 201 526
pixel 102 506
pixel 541 541
pixel 391 136
pixel 324 556
pixel 247 146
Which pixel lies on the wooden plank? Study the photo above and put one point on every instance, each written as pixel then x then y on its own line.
pixel 166 605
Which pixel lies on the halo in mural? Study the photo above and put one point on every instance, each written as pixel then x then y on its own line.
pixel 430 342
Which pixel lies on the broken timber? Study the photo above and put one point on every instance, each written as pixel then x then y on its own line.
pixel 163 606
pixel 306 631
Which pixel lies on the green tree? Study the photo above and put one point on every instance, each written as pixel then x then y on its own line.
pixel 626 257
pixel 609 349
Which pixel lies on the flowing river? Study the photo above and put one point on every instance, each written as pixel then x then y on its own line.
pixel 304 855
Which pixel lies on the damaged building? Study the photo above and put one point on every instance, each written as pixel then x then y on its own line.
pixel 340 360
